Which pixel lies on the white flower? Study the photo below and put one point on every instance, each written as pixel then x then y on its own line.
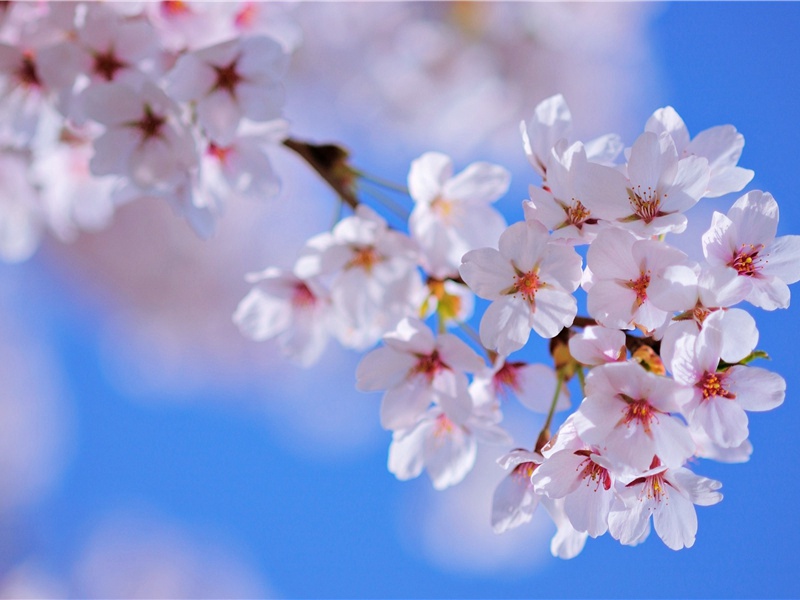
pixel 452 214
pixel 144 139
pixel 630 415
pixel 667 494
pixel 514 499
pixel 530 282
pixel 658 189
pixel 290 309
pixel 597 345
pixel 744 242
pixel 417 370
pixel 721 146
pixel 230 81
pixel 622 269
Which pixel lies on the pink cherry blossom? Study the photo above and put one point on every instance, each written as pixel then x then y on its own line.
pixel 417 369
pixel 530 282
pixel 669 495
pixel 744 242
pixel 597 345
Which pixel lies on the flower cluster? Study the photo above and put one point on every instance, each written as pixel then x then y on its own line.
pixel 662 357
pixel 104 103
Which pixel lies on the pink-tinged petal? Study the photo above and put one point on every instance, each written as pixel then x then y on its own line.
pixel 653 159
pixel 487 272
pixel 505 326
pixel 721 145
pixel 383 368
pixel 456 354
pixel 558 475
pixel 667 120
pixel 153 163
pixel 450 455
pixel 517 457
pixel 700 490
pixel 524 244
pixel 604 149
pixel 551 122
pixel 597 345
pixel 756 217
pixel 689 185
pixel 403 404
pixel 768 293
pixel 675 289
pixel 537 386
pixel 673 442
pixel 611 256
pixel 543 207
pixel 723 420
pixel 678 352
pixel 629 522
pixel 756 389
pixel 411 336
pixel 739 333
pixel 553 310
pixel 262 101
pixel 603 190
pixel 220 115
pixel 261 56
pixel 650 317
pixel 190 79
pixel 567 542
pixel 612 304
pixel 675 521
pixel 406 453
pixel 588 507
pixel 719 242
pixel 708 348
pixel 111 152
pixel 479 183
pixel 261 317
pixel 452 394
pixel 428 175
pixel 726 181
pixel 513 502
pixel 112 104
pixel 720 287
pixel 561 265
pixel 597 416
pixel 782 259
pixel 708 449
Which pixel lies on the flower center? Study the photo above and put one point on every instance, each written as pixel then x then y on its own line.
pixel 711 386
pixel 524 470
pixel 174 7
pixel 639 412
pixel 746 261
pixel 150 124
pixel 302 296
pixel 227 78
pixel 590 470
pixel 26 71
pixel 508 377
pixel 443 425
pixel 527 284
pixel 646 204
pixel 577 214
pixel 428 365
pixel 106 65
pixel 221 153
pixel 639 286
pixel 364 258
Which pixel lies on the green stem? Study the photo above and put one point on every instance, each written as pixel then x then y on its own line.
pixel 388 203
pixel 391 185
pixel 544 434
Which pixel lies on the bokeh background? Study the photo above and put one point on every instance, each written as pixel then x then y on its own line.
pixel 148 450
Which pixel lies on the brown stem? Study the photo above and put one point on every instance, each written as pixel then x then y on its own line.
pixel 330 162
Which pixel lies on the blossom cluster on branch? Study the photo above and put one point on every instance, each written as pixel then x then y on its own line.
pixel 106 103
pixel 662 357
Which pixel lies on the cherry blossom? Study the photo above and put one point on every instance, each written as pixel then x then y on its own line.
pixel 669 495
pixel 417 370
pixel 744 242
pixel 530 282
pixel 721 146
pixel 453 213
pixel 514 500
pixel 230 81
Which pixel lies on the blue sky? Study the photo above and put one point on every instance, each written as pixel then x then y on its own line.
pixel 317 527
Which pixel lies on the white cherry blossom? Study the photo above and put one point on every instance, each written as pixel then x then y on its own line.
pixel 530 282
pixel 417 369
pixel 669 495
pixel 744 242
pixel 453 213
pixel 721 146
pixel 597 345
